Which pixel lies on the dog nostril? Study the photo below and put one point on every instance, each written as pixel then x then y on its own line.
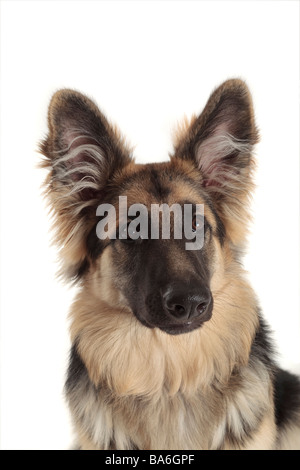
pixel 201 308
pixel 179 310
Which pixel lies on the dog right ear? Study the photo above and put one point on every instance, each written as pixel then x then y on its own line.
pixel 219 143
pixel 83 152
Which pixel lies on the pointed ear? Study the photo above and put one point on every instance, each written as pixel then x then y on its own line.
pixel 219 143
pixel 83 152
pixel 82 148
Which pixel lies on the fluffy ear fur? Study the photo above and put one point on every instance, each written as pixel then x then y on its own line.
pixel 83 153
pixel 220 143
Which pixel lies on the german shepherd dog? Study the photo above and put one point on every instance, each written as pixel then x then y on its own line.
pixel 169 348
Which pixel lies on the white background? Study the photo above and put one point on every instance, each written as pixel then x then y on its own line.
pixel 146 64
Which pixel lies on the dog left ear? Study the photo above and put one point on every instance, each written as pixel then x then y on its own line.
pixel 83 153
pixel 219 143
pixel 82 149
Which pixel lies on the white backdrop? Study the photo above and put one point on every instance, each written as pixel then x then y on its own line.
pixel 146 64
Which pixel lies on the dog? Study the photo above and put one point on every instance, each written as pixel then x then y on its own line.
pixel 169 346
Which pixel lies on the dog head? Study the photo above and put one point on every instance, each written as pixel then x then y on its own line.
pixel 155 278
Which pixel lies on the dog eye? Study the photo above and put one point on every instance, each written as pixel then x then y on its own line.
pixel 129 234
pixel 123 232
pixel 197 222
pixel 132 232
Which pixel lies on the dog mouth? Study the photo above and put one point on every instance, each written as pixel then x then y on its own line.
pixel 185 327
pixel 180 329
pixel 176 328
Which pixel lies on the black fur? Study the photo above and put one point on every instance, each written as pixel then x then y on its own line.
pixel 76 370
pixel 158 189
pixel 287 397
pixel 262 347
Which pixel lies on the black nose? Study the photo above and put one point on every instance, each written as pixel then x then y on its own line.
pixel 186 302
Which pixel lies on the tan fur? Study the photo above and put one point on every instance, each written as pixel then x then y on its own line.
pixel 290 438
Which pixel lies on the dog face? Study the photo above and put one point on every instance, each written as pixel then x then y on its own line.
pixel 159 281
